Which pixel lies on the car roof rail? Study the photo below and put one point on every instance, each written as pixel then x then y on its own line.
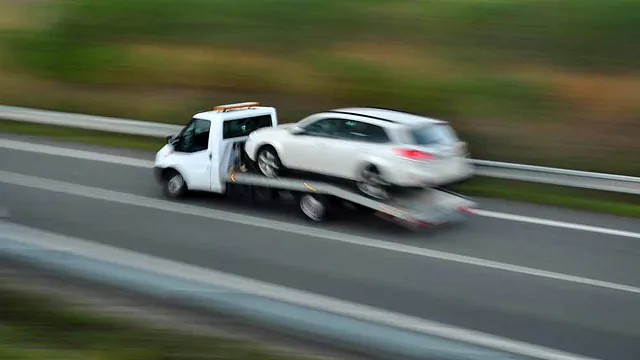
pixel 359 114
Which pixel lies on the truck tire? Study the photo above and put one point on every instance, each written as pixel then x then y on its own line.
pixel 174 185
pixel 314 207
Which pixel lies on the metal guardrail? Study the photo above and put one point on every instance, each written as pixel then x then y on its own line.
pixel 87 122
pixel 519 172
pixel 555 176
pixel 343 324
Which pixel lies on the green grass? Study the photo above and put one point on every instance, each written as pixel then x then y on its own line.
pixel 529 81
pixel 572 32
pixel 88 41
pixel 37 328
pixel 598 201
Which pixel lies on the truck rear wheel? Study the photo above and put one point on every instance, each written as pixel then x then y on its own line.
pixel 314 207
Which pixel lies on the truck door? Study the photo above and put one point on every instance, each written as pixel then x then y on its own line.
pixel 192 153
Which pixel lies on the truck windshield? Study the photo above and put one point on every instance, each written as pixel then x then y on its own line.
pixel 434 134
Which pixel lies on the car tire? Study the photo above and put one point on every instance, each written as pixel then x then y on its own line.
pixel 372 183
pixel 174 185
pixel 269 162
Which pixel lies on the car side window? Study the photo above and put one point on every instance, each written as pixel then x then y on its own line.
pixel 242 127
pixel 361 131
pixel 195 137
pixel 323 127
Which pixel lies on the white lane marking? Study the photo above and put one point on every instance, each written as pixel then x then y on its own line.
pixel 212 277
pixel 554 223
pixel 74 153
pixel 121 160
pixel 305 231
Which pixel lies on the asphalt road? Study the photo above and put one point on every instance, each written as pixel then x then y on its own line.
pixel 562 314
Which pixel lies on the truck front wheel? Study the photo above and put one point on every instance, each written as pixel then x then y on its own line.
pixel 174 185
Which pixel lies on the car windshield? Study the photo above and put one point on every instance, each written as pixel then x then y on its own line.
pixel 434 134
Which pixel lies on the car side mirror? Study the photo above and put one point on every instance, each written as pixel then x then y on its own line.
pixel 297 130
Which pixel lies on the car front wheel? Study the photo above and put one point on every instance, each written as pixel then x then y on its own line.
pixel 268 162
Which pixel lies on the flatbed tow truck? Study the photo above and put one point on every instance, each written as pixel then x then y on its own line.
pixel 208 155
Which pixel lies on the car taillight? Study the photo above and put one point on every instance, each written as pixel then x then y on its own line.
pixel 413 154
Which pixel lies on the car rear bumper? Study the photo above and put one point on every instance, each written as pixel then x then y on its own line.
pixel 411 177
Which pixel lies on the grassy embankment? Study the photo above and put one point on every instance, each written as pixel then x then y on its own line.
pixel 37 328
pixel 527 81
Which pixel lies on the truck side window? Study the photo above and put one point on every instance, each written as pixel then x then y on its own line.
pixel 195 137
pixel 242 127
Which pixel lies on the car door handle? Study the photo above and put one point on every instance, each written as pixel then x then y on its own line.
pixel 210 156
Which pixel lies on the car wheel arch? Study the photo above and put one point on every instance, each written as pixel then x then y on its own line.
pixel 266 144
pixel 365 164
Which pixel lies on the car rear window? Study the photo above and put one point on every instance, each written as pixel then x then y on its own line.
pixel 434 134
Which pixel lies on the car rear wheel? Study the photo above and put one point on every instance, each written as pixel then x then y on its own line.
pixel 268 162
pixel 372 183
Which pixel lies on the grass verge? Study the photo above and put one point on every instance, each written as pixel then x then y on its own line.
pixel 598 201
pixel 540 88
pixel 34 327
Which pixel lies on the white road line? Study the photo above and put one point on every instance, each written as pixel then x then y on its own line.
pixel 122 160
pixel 554 223
pixel 305 231
pixel 74 153
pixel 238 283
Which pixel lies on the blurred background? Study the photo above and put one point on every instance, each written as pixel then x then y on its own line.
pixel 531 81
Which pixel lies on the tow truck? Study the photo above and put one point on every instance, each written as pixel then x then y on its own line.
pixel 208 156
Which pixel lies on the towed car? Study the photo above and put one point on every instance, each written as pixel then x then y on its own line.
pixel 372 147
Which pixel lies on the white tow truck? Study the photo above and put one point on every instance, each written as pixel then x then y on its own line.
pixel 208 155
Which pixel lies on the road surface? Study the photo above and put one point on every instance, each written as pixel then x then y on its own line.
pixel 564 279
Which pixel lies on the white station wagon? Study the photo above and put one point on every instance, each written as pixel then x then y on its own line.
pixel 373 147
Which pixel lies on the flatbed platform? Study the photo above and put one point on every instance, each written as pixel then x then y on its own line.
pixel 417 208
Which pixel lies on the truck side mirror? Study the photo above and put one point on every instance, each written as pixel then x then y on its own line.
pixel 171 139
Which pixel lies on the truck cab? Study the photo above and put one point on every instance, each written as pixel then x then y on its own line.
pixel 199 157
